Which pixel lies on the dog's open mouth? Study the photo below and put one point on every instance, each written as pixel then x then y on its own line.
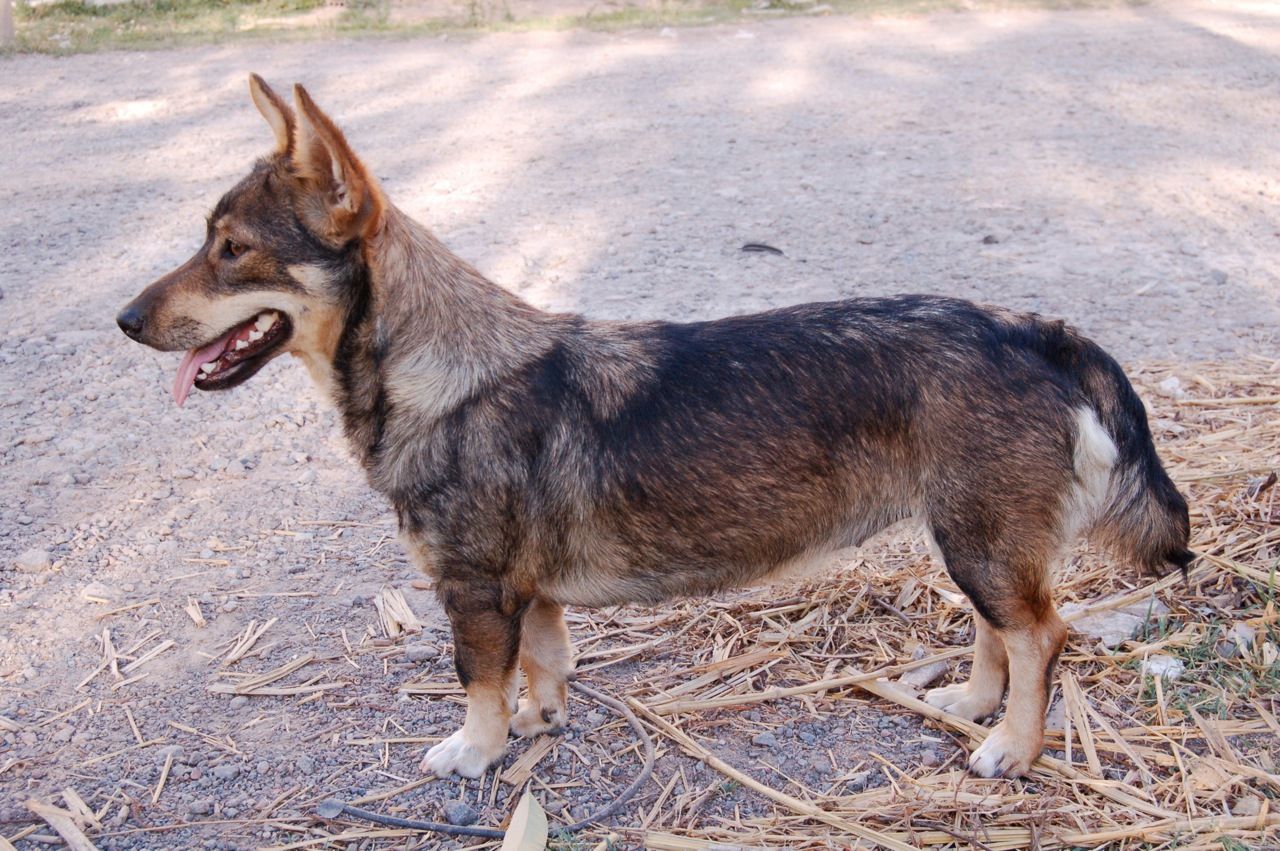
pixel 234 357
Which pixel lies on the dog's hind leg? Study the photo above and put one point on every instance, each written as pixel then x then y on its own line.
pixel 486 641
pixel 998 545
pixel 546 655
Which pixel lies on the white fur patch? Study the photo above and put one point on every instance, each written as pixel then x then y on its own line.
pixel 1094 459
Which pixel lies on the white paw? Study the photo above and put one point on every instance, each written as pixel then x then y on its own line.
pixel 533 720
pixel 1002 754
pixel 455 755
pixel 960 700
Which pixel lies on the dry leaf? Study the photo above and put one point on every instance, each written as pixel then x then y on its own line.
pixel 528 828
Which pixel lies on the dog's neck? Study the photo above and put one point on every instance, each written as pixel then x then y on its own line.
pixel 427 333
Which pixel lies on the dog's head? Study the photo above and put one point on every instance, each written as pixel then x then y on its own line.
pixel 276 270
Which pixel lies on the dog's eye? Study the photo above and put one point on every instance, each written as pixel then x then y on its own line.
pixel 235 249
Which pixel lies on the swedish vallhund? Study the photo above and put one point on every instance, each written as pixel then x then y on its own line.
pixel 538 460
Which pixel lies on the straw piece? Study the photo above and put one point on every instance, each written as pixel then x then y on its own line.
pixel 395 614
pixel 61 821
pixel 519 772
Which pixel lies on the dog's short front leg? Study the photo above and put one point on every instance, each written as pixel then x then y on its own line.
pixel 486 641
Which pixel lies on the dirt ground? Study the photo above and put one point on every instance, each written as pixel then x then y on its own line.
pixel 1114 167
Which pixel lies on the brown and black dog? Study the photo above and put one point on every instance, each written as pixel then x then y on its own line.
pixel 539 460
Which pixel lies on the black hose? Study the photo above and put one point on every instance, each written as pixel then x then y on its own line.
pixel 332 808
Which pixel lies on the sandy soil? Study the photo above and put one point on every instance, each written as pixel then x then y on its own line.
pixel 1117 168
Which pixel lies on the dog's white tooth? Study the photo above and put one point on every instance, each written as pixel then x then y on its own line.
pixel 255 336
pixel 241 344
pixel 207 368
pixel 265 321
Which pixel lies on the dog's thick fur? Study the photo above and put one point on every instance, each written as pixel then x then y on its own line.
pixel 539 460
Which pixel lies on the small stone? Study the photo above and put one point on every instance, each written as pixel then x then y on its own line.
pixel 178 752
pixel 226 772
pixel 765 740
pixel 239 702
pixel 200 807
pixel 858 782
pixel 1056 719
pixel 1112 626
pixel 33 561
pixel 990 239
pixel 305 764
pixel 1247 805
pixel 929 759
pixel 421 652
pixel 459 813
pixel 1172 387
pixel 1165 667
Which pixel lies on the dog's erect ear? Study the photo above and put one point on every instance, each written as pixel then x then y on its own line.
pixel 275 110
pixel 345 200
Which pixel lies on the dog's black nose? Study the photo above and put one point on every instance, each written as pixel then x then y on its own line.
pixel 131 321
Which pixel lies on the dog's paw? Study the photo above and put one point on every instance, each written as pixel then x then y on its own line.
pixel 961 700
pixel 1002 754
pixel 533 720
pixel 456 755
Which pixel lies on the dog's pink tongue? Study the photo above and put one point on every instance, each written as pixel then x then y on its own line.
pixel 191 363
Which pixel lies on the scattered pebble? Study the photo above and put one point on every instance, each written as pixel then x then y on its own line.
pixel 765 740
pixel 1166 667
pixel 227 771
pixel 33 561
pixel 460 813
pixel 200 807
pixel 421 652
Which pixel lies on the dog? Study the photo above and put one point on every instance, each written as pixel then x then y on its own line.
pixel 540 460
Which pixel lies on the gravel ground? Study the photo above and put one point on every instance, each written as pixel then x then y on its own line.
pixel 1115 167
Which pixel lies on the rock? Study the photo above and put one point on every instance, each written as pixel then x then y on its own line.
pixel 239 702
pixel 1242 636
pixel 200 807
pixel 765 740
pixel 1171 387
pixel 305 764
pixel 1247 805
pixel 990 239
pixel 929 759
pixel 1113 626
pixel 178 751
pixel 226 772
pixel 1056 719
pixel 1166 667
pixel 925 675
pixel 858 782
pixel 33 561
pixel 459 813
pixel 421 652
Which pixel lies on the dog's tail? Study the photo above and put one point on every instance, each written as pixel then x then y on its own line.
pixel 1136 510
